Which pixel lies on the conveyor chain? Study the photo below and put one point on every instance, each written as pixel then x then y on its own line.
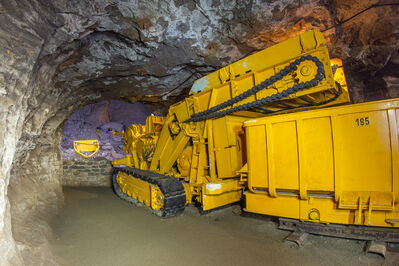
pixel 172 188
pixel 215 112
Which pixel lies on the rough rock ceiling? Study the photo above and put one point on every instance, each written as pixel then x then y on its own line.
pixel 156 47
pixel 56 56
pixel 130 48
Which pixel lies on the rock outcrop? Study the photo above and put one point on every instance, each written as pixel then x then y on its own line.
pixel 57 56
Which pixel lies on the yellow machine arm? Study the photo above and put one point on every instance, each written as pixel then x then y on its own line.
pixel 293 75
pixel 289 75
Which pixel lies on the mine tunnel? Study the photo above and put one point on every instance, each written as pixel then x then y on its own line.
pixel 117 62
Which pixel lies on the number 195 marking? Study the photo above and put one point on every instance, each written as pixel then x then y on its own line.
pixel 363 121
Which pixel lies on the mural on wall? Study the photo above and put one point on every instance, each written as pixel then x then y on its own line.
pixel 94 121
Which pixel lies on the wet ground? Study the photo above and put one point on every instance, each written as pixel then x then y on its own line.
pixel 97 228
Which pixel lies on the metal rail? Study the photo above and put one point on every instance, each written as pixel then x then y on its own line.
pixel 368 233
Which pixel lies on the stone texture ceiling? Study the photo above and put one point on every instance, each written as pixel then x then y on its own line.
pixel 56 56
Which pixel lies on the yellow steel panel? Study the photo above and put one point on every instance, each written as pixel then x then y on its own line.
pixel 213 201
pixel 179 110
pixel 317 146
pixel 257 157
pixel 394 128
pixel 329 213
pixel 270 162
pixel 378 200
pixel 363 151
pixel 285 154
pixel 216 188
pixel 228 145
pixel 218 194
pixel 281 206
pixel 285 157
pixel 218 96
pixel 211 151
pixel 222 143
pixel 291 207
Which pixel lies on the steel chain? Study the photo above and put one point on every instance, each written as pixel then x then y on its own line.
pixel 215 112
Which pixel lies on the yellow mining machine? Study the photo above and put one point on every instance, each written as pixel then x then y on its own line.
pixel 262 129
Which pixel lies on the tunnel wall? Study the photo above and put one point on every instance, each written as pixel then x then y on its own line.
pixel 96 173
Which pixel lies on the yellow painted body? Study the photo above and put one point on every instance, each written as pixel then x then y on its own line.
pixel 211 153
pixel 81 146
pixel 315 165
pixel 141 191
pixel 334 165
pixel 244 74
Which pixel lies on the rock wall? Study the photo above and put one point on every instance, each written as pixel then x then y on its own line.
pixel 94 121
pixel 36 195
pixel 57 56
pixel 96 173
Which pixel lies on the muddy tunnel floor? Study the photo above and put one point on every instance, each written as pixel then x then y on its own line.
pixel 95 227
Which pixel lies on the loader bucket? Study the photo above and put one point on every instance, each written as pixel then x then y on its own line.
pixel 81 146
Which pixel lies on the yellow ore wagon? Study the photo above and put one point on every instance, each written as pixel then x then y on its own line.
pixel 333 165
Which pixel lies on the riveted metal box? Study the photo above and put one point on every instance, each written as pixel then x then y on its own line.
pixel 336 165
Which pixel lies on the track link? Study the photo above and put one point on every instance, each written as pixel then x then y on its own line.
pixel 172 188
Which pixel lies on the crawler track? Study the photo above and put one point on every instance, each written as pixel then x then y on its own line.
pixel 173 190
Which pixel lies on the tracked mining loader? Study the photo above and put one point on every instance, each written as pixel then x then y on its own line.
pixel 275 129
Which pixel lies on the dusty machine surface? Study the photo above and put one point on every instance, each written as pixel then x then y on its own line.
pixel 259 130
